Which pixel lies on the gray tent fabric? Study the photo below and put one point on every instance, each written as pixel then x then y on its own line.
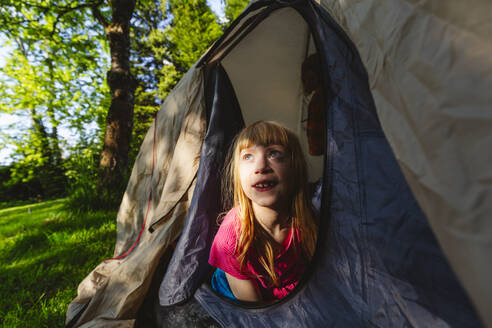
pixel 430 73
pixel 408 104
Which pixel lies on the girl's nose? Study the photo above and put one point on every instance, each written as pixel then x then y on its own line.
pixel 261 165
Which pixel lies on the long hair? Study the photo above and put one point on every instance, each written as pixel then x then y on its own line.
pixel 252 237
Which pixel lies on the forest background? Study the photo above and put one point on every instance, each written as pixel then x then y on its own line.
pixel 80 83
pixel 84 80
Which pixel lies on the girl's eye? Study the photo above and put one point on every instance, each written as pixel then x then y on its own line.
pixel 247 157
pixel 275 154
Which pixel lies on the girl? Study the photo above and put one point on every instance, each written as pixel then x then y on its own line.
pixel 265 241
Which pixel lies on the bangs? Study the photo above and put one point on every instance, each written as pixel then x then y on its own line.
pixel 264 134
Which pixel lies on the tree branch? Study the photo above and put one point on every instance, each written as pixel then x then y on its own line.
pixel 99 16
pixel 68 9
pixel 20 44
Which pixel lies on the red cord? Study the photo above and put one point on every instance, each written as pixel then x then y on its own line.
pixel 148 201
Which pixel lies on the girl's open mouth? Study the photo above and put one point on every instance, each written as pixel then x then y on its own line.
pixel 264 185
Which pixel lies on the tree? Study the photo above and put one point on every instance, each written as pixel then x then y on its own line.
pixel 59 53
pixel 148 16
pixel 51 78
pixel 168 37
pixel 176 46
pixel 122 85
pixel 234 8
pixel 39 22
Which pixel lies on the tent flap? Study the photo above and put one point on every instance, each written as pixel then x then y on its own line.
pixel 189 264
pixel 114 290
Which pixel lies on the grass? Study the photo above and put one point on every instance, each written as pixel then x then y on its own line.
pixel 45 252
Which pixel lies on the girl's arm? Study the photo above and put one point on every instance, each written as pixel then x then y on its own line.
pixel 243 290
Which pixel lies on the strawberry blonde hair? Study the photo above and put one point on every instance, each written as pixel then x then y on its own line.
pixel 251 235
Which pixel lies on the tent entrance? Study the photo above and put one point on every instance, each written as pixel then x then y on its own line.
pixel 264 68
pixel 239 91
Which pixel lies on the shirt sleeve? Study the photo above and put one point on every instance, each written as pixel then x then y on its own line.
pixel 223 254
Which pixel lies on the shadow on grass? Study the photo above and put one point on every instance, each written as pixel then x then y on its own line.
pixel 42 264
pixel 36 237
pixel 72 222
pixel 48 271
pixel 18 246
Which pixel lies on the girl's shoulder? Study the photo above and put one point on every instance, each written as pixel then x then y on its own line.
pixel 228 231
pixel 233 212
pixel 231 218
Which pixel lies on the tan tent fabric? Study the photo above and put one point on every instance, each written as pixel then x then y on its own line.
pixel 430 71
pixel 116 288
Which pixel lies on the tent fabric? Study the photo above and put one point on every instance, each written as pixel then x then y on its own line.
pixel 430 72
pixel 423 67
pixel 189 263
pixel 112 293
pixel 377 261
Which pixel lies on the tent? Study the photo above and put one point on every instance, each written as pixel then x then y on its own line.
pixel 404 189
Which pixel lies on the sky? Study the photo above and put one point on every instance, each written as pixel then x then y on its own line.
pixel 217 6
pixel 7 120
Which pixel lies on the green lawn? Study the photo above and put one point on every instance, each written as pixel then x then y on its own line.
pixel 45 251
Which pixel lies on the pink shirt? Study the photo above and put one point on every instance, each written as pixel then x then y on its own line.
pixel 289 263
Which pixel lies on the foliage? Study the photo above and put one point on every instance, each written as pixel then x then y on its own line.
pixel 52 79
pixel 146 107
pixel 44 253
pixel 146 67
pixel 82 173
pixel 84 191
pixel 176 47
pixel 233 8
pixel 11 191
pixel 161 57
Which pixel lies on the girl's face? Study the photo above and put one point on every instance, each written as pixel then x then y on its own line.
pixel 266 176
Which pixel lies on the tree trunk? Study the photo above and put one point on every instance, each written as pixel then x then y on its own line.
pixel 119 122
